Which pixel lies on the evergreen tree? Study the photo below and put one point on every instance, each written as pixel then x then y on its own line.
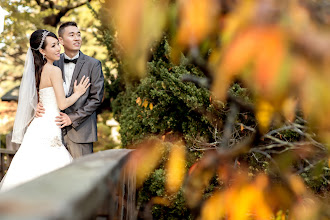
pixel 162 102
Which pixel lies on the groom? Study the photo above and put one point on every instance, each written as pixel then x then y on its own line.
pixel 78 122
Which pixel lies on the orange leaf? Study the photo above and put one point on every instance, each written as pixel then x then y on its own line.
pixel 151 106
pixel 269 58
pixel 192 28
pixel 193 167
pixel 240 51
pixel 236 56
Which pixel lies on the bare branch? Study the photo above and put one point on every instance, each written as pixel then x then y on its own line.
pixel 54 19
pixel 228 128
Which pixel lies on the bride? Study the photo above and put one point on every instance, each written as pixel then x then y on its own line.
pixel 41 149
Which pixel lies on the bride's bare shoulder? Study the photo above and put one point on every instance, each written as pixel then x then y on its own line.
pixel 50 69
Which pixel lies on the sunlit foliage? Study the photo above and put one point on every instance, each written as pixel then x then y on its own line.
pixel 279 51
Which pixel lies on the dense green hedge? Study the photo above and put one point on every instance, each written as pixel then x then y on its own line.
pixel 162 103
pixel 154 187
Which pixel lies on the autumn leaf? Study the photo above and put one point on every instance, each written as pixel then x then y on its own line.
pixel 214 207
pixel 138 101
pixel 160 201
pixel 297 185
pixel 250 195
pixel 264 114
pixel 260 206
pixel 145 104
pixel 289 108
pixel 236 56
pixel 145 159
pixel 235 22
pixel 151 106
pixel 137 31
pixel 261 51
pixel 192 28
pixel 175 167
pixel 269 59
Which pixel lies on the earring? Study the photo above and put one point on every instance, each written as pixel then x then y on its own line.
pixel 43 56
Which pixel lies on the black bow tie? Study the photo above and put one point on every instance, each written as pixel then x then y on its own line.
pixel 72 61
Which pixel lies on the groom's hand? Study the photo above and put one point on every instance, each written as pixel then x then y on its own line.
pixel 63 120
pixel 40 110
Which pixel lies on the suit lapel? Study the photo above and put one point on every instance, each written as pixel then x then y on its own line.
pixel 61 65
pixel 79 64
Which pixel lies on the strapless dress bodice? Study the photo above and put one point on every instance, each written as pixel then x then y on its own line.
pixel 48 99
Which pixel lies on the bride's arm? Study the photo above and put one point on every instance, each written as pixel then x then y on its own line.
pixel 57 83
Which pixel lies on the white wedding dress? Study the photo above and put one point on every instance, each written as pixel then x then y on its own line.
pixel 41 150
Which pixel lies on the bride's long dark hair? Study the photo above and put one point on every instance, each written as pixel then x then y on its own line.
pixel 39 61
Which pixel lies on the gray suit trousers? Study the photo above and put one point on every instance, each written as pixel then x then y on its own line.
pixel 76 149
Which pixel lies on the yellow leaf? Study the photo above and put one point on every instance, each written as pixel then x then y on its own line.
pixel 213 207
pixel 161 201
pixel 151 106
pixel 138 101
pixel 243 197
pixel 264 114
pixel 137 31
pixel 175 167
pixel 261 207
pixel 145 103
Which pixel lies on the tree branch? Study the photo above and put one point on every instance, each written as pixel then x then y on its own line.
pixel 54 19
pixel 229 125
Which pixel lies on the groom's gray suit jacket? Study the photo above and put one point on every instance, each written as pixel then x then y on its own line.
pixel 83 112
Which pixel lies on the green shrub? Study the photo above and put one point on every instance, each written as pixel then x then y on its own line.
pixel 154 187
pixel 162 103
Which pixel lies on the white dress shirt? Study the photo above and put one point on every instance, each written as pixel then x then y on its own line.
pixel 68 72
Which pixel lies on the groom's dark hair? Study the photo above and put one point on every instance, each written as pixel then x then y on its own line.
pixel 64 25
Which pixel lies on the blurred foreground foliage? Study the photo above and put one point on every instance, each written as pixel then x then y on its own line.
pixel 234 102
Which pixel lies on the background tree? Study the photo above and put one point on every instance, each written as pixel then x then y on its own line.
pixel 25 17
